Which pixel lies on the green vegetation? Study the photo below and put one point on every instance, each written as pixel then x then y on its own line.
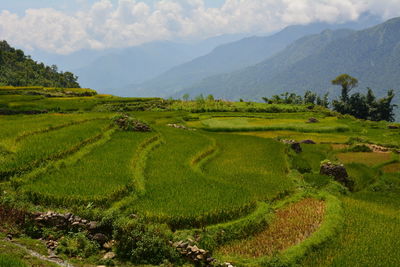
pixel 362 106
pixel 164 171
pixel 104 174
pixel 17 69
pixel 34 151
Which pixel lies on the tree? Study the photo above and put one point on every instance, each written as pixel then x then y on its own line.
pixel 210 98
pixel 347 83
pixel 186 97
pixel 310 97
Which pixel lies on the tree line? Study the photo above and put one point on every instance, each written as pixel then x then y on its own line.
pixel 362 106
pixel 18 69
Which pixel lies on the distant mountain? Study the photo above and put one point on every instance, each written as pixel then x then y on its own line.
pixel 112 68
pixel 18 69
pixel 231 57
pixel 371 55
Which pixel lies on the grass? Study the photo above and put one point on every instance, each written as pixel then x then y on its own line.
pixel 299 136
pixel 392 168
pixel 291 225
pixel 369 230
pixel 104 172
pixel 225 189
pixel 367 158
pixel 33 151
pixel 12 255
pixel 16 126
pixel 227 124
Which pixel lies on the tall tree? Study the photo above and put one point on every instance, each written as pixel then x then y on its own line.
pixel 347 83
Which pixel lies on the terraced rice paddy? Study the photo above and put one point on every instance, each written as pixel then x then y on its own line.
pixel 31 152
pixel 228 184
pixel 261 124
pixel 103 173
pixel 292 225
pixel 368 158
pixel 177 189
pixel 392 168
pixel 299 136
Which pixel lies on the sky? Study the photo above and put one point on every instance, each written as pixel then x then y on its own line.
pixel 66 26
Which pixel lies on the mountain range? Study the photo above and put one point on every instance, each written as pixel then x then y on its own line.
pixel 372 55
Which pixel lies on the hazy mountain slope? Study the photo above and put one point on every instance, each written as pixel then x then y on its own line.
pixel 234 56
pixel 223 59
pixel 371 55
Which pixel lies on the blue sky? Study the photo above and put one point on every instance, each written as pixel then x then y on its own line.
pixel 65 26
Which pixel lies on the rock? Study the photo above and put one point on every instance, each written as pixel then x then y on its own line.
pixel 393 127
pixel 312 120
pixel 109 255
pixel 296 147
pixel 9 237
pixel 308 141
pixel 288 141
pixel 92 225
pixel 338 172
pixel 100 238
pixel 109 244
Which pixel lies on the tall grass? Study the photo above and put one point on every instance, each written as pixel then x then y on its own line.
pixel 183 197
pixel 103 174
pixel 33 151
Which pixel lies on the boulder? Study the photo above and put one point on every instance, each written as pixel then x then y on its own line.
pixel 338 172
pixel 100 238
pixel 308 141
pixel 109 255
pixel 296 147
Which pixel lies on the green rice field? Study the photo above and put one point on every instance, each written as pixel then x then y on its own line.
pixel 220 178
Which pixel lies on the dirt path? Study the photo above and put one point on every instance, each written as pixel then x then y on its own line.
pixel 53 258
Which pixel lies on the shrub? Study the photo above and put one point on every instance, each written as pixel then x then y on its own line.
pixel 143 243
pixel 127 123
pixel 76 245
pixel 360 148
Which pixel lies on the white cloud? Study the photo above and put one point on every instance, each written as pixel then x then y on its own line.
pixel 124 23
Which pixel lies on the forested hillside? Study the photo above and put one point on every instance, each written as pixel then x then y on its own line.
pixel 371 55
pixel 18 69
pixel 225 58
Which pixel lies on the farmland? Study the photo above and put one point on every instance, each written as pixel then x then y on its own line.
pixel 155 178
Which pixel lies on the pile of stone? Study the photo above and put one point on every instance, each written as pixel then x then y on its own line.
pixel 338 172
pixel 312 120
pixel 193 253
pixel 178 126
pixel 63 221
pixel 127 123
pixel 68 221
pixel 51 244
pixel 293 145
pixel 376 148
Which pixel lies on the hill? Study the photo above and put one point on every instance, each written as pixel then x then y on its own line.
pixel 372 55
pixel 225 58
pixel 17 69
pixel 197 183
pixel 109 69
pixel 231 57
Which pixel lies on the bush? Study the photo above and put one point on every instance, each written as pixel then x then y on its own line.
pixel 360 148
pixel 143 243
pixel 76 245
